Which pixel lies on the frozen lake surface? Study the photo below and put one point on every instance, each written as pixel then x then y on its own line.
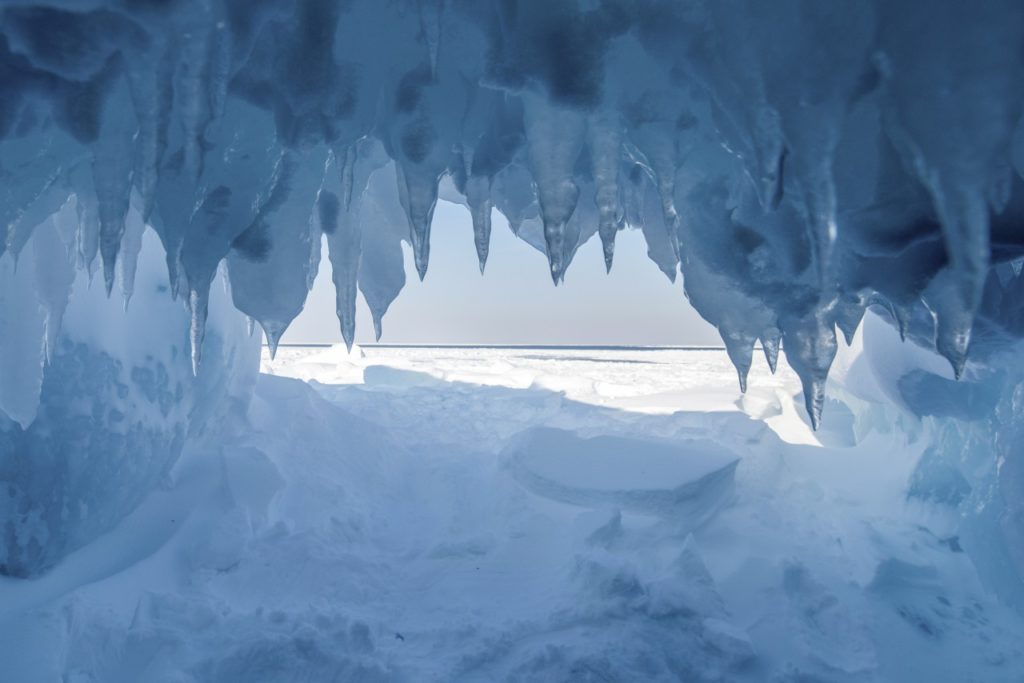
pixel 524 514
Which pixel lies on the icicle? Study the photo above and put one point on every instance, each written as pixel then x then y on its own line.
pixel 902 317
pixel 658 159
pixel 953 320
pixel 740 348
pixel 770 346
pixel 377 328
pixel 814 399
pixel 87 237
pixel 55 274
pixel 173 276
pixel 849 312
pixel 112 166
pixel 963 215
pixel 952 338
pixel 277 257
pixel 899 316
pixel 661 248
pixel 131 246
pixel 478 196
pixel 250 325
pixel 604 137
pixel 381 261
pixel 346 159
pixel 810 344
pixel 150 86
pixel 1017 264
pixel 272 331
pixel 417 190
pixel 199 303
pixel 848 327
pixel 554 140
pixel 344 246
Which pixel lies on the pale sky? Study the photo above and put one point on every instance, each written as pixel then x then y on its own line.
pixel 515 301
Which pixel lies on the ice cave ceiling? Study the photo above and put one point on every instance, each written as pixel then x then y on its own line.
pixel 796 160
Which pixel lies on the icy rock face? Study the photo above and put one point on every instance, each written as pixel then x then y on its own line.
pixel 100 406
pixel 796 161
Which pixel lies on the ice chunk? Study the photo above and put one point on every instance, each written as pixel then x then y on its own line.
pixel 686 481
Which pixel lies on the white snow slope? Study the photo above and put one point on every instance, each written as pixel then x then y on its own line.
pixel 468 514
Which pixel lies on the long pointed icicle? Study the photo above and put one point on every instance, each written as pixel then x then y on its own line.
pixel 478 196
pixel 131 246
pixel 554 138
pixel 849 312
pixel 199 303
pixel 417 189
pixel 770 346
pixel 272 331
pixel 112 172
pixel 344 245
pixel 811 346
pixel 604 137
pixel 963 215
pixel 378 328
pixel 347 160
pixel 953 321
pixel 740 348
pixel 54 278
pixel 952 338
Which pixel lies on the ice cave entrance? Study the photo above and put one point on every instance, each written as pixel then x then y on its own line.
pixel 514 302
pixel 524 483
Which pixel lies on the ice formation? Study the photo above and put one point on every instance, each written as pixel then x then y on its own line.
pixel 796 161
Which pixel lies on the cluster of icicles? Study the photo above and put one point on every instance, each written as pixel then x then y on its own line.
pixel 797 160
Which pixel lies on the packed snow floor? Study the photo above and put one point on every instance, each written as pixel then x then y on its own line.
pixel 478 514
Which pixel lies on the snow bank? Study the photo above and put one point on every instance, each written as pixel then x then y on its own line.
pixel 379 533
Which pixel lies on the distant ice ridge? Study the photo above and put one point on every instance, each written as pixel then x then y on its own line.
pixel 796 161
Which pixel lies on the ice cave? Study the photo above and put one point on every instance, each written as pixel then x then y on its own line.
pixel 835 495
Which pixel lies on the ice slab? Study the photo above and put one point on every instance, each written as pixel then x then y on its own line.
pixel 690 478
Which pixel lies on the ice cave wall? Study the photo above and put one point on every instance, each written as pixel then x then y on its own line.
pixel 797 161
pixel 94 418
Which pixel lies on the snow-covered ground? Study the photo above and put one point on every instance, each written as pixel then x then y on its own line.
pixel 523 514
